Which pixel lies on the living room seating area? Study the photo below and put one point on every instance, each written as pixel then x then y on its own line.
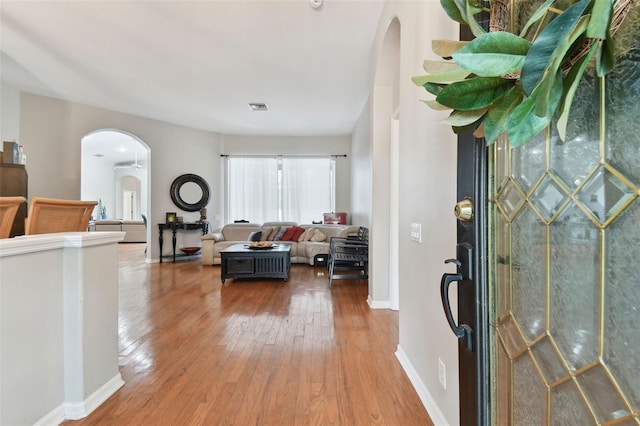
pixel 308 242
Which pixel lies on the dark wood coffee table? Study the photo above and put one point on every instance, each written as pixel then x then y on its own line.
pixel 240 261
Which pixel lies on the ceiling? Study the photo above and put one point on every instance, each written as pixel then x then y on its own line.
pixel 199 63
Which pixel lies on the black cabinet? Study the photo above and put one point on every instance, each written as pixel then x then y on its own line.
pixel 13 182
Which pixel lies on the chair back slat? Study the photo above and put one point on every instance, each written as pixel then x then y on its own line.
pixel 8 208
pixel 49 215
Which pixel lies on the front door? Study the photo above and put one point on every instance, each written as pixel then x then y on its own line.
pixel 470 320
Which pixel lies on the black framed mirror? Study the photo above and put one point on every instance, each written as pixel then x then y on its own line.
pixel 190 192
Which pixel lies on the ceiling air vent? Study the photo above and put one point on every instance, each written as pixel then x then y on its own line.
pixel 258 107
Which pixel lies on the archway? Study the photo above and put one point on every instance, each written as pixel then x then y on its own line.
pixel 384 286
pixel 115 170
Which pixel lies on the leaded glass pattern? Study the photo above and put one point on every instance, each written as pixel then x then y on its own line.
pixel 566 223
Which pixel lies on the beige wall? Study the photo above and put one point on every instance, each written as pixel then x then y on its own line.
pixel 427 178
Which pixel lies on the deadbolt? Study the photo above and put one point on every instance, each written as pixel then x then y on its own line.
pixel 464 210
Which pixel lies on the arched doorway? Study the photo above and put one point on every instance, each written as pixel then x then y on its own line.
pixel 115 170
pixel 384 242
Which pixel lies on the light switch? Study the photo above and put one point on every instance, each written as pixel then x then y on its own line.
pixel 416 232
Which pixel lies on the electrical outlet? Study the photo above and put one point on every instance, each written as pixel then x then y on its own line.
pixel 442 373
pixel 416 232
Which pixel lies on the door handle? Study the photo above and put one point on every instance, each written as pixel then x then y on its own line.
pixel 462 331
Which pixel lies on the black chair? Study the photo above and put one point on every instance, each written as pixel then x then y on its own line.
pixel 144 219
pixel 349 257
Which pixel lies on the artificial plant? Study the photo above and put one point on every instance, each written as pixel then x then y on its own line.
pixel 518 83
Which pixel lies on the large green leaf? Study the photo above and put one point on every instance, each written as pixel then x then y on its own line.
pixel 548 83
pixel 571 83
pixel 496 119
pixel 455 10
pixel 474 93
pixel 464 118
pixel 432 88
pixel 493 54
pixel 537 15
pixel 600 19
pixel 605 60
pixel 525 123
pixel 472 9
pixel 433 104
pixel 545 45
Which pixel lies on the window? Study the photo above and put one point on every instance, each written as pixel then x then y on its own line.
pixel 297 189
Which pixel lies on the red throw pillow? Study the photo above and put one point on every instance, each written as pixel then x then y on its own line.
pixel 298 232
pixel 290 234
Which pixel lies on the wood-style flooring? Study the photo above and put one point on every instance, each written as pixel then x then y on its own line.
pixel 252 352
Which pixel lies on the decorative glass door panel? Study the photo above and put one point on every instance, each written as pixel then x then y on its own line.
pixel 565 283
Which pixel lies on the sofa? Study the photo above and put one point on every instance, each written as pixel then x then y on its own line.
pixel 135 230
pixel 312 242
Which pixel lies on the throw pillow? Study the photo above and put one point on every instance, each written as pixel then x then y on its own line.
pixel 255 236
pixel 280 233
pixel 317 236
pixel 268 232
pixel 298 232
pixel 292 233
pixel 306 234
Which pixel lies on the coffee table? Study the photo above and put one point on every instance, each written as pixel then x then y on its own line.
pixel 241 261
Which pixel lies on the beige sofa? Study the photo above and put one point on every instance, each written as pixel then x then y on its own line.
pixel 301 251
pixel 135 230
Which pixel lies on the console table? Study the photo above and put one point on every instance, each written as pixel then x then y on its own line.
pixel 240 261
pixel 175 227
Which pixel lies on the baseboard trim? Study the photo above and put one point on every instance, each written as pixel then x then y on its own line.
pixel 430 405
pixel 79 410
pixel 54 418
pixel 378 304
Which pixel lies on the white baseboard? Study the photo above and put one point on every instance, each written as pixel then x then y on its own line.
pixel 430 405
pixel 54 418
pixel 79 410
pixel 379 304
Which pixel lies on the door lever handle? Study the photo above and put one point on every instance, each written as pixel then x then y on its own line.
pixel 462 331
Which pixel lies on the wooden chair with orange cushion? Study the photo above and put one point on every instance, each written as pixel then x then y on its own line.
pixel 49 215
pixel 8 208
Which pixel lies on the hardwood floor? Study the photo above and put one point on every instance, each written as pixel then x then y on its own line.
pixel 252 352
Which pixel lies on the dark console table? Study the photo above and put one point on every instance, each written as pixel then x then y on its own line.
pixel 239 261
pixel 175 227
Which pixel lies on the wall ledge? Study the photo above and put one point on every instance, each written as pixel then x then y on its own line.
pixel 44 242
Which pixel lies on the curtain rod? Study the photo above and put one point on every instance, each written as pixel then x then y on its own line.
pixel 284 155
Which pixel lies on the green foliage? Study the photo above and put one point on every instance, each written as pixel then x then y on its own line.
pixel 509 83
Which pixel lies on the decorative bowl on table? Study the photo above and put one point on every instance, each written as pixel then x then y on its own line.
pixel 190 250
pixel 260 245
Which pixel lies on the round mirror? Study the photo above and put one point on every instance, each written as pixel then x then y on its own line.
pixel 190 192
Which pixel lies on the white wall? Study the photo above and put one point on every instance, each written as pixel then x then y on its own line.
pixel 9 114
pixel 427 180
pixel 361 168
pixel 51 131
pixel 302 145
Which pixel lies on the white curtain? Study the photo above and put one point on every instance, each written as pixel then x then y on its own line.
pixel 297 189
pixel 306 189
pixel 253 189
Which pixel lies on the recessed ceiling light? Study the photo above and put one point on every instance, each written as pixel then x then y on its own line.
pixel 255 106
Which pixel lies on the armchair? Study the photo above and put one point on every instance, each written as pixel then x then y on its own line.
pixel 8 209
pixel 49 215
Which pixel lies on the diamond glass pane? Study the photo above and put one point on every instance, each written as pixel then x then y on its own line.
pixel 575 290
pixel 622 302
pixel 529 393
pixel 528 161
pixel 572 159
pixel 604 194
pixel 503 387
pixel 602 395
pixel 511 199
pixel 548 197
pixel 529 286
pixel 511 338
pixel 548 360
pixel 568 407
pixel 623 126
